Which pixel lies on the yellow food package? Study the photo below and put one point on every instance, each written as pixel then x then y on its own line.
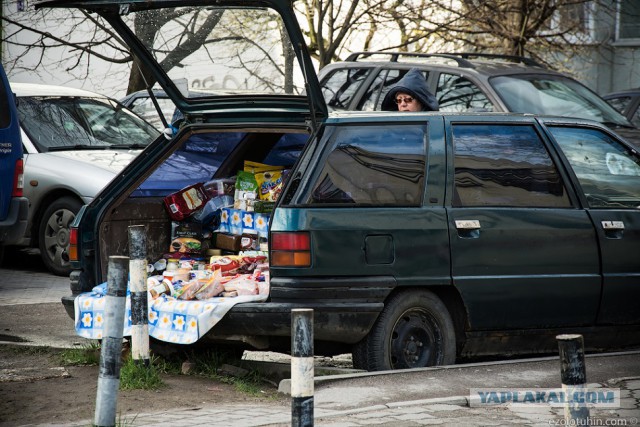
pixel 255 167
pixel 269 185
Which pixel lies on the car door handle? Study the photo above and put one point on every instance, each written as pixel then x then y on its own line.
pixel 468 228
pixel 612 225
pixel 467 224
pixel 613 229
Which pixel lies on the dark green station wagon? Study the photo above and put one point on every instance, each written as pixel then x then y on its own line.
pixel 417 238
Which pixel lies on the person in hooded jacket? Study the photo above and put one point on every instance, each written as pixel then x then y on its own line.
pixel 411 93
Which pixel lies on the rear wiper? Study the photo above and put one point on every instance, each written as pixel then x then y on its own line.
pixel 78 147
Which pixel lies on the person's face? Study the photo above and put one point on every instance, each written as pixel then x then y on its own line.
pixel 407 102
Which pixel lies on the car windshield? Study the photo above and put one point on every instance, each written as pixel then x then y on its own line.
pixel 554 95
pixel 67 123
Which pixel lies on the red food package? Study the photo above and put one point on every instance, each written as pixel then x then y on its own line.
pixel 185 202
pixel 227 265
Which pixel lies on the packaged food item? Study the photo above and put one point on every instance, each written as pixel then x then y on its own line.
pixel 163 288
pixel 186 229
pixel 269 185
pixel 243 285
pixel 186 245
pixel 209 214
pixel 211 286
pixel 228 265
pixel 185 202
pixel 246 191
pixel 255 167
pixel 236 221
pixel 228 242
pixel 220 187
pixel 249 240
pixel 187 290
pixel 264 206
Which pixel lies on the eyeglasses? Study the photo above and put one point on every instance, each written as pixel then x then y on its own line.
pixel 407 100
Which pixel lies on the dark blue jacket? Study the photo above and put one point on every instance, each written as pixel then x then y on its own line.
pixel 414 84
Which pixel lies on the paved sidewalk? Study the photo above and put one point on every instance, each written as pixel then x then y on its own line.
pixel 31 287
pixel 383 398
pixel 452 411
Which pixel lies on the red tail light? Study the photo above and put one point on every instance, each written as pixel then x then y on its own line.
pixel 72 251
pixel 18 179
pixel 290 249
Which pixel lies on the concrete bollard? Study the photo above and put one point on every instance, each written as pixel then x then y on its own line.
pixel 110 356
pixel 574 377
pixel 139 301
pixel 302 367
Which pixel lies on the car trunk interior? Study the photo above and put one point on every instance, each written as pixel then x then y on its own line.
pixel 143 203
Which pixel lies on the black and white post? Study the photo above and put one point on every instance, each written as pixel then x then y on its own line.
pixel 110 356
pixel 139 301
pixel 574 377
pixel 302 367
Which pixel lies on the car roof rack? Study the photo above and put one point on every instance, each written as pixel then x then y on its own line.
pixel 461 58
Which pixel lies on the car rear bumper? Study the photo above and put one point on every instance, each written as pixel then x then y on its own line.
pixel 338 322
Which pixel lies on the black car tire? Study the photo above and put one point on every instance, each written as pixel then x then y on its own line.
pixel 414 330
pixel 53 234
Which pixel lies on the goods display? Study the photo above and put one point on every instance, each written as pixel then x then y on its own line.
pixel 217 258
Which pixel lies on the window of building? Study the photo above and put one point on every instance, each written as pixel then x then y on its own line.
pixel 629 19
pixel 504 165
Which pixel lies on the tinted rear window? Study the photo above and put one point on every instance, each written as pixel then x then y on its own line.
pixel 200 157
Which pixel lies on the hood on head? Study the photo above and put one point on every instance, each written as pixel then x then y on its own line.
pixel 414 84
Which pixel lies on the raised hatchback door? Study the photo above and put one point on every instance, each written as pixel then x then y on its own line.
pixel 228 60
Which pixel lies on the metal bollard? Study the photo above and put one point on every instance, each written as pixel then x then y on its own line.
pixel 301 367
pixel 110 356
pixel 139 301
pixel 574 377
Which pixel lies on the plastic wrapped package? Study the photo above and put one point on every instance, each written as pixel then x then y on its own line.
pixel 211 286
pixel 243 285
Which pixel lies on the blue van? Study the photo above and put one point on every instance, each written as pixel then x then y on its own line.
pixel 14 207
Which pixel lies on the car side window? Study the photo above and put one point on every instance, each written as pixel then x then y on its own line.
pixel 459 94
pixel 338 89
pixel 372 98
pixel 504 165
pixel 386 79
pixel 608 172
pixel 373 166
pixel 620 103
pixel 636 118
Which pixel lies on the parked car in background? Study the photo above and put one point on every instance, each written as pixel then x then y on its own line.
pixel 141 103
pixel 14 207
pixel 415 238
pixel 627 102
pixel 469 82
pixel 75 142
